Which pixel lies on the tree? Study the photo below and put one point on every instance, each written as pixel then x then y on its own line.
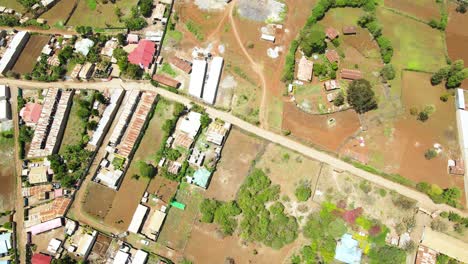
pixel 121 39
pixel 303 192
pixel 388 72
pixel 205 120
pixel 423 116
pixel 462 7
pixel 92 125
pixel 313 41
pixel 339 100
pixel 430 154
pixel 146 170
pixel 386 255
pixel 439 225
pixel 146 7
pixel 440 75
pixel 208 208
pixel 361 97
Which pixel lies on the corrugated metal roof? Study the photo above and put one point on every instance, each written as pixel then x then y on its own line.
pixel 211 87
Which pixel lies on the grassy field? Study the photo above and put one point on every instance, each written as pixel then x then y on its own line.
pixel 96 14
pixel 416 46
pixel 153 136
pixel 75 125
pixel 12 4
pixel 178 224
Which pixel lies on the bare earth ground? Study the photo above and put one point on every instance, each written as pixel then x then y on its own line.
pixel 31 51
pixel 314 128
pixel 101 193
pixel 7 174
pixel 237 156
pixel 59 12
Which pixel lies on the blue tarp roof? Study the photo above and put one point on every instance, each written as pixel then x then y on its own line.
pixel 347 250
pixel 5 243
pixel 201 177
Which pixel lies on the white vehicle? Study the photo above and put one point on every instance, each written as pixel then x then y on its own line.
pixel 144 242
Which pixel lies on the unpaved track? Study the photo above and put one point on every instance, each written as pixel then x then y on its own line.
pixel 255 66
pixel 423 200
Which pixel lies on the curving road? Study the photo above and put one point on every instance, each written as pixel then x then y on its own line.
pixel 423 200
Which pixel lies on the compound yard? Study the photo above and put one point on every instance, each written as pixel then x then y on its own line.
pixel 104 195
pixel 59 13
pixel 96 14
pixel 31 52
pixel 237 156
pixel 457 36
pixel 7 173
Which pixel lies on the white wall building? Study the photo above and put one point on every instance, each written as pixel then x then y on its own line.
pixel 214 75
pixel 13 51
pixel 137 219
pixel 197 78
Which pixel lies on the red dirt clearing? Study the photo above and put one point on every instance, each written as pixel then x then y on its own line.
pixel 424 9
pixel 314 128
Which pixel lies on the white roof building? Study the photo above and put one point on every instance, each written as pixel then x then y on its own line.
pixel 137 219
pixel 190 124
pixel 14 49
pixel 462 125
pixel 156 221
pixel 108 177
pixel 121 257
pixel 46 3
pixel 459 98
pixel 85 244
pixel 140 257
pixel 4 92
pixel 83 46
pixel 214 75
pixel 197 78
pixel 268 37
pixel 5 111
pixel 54 245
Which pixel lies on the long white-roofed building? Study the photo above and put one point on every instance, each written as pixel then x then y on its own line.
pixel 214 75
pixel 138 218
pixel 13 51
pixel 197 78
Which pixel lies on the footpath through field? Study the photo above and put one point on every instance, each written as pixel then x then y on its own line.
pixel 423 200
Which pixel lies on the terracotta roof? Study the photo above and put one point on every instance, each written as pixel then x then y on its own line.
pixel 458 169
pixel 166 80
pixel 348 30
pixel 31 112
pixel 332 56
pixel 332 33
pixel 38 258
pixel 143 54
pixel 181 64
pixel 182 140
pixel 351 74
pixel 426 255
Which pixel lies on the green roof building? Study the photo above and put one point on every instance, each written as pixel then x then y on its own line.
pixel 201 177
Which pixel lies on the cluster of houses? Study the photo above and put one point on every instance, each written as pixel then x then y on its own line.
pixel 332 86
pixel 124 136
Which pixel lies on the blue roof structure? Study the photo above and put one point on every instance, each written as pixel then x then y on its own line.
pixel 5 243
pixel 201 177
pixel 347 250
pixel 4 262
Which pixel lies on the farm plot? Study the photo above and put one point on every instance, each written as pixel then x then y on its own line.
pixel 421 9
pixel 32 50
pixel 14 4
pixel 457 36
pixel 7 172
pixel 239 151
pixel 96 14
pixel 406 140
pixel 319 129
pixel 98 200
pixel 59 13
pixel 178 225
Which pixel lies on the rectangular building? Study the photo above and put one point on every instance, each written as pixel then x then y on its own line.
pixel 197 78
pixel 137 220
pixel 13 51
pixel 214 76
pixel 5 111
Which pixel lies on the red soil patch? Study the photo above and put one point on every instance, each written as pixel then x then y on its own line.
pixel 457 36
pixel 314 128
pixel 426 11
pixel 32 50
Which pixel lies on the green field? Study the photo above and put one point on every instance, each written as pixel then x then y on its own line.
pixel 94 13
pixel 12 4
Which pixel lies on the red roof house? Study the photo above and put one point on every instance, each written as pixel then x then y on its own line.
pixel 38 258
pixel 332 56
pixel 351 74
pixel 31 112
pixel 143 55
pixel 332 33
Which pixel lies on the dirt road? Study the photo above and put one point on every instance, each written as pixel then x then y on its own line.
pixel 423 200
pixel 255 66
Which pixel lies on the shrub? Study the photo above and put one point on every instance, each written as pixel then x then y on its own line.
pixel 454 217
pixel 430 154
pixel 365 186
pixel 423 116
pixel 388 72
pixel 439 225
pixel 339 100
pixel 444 97
pixel 414 111
pixel 303 192
pixel 404 202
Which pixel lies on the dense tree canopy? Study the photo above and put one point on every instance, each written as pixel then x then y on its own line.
pixel 313 41
pixel 361 97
